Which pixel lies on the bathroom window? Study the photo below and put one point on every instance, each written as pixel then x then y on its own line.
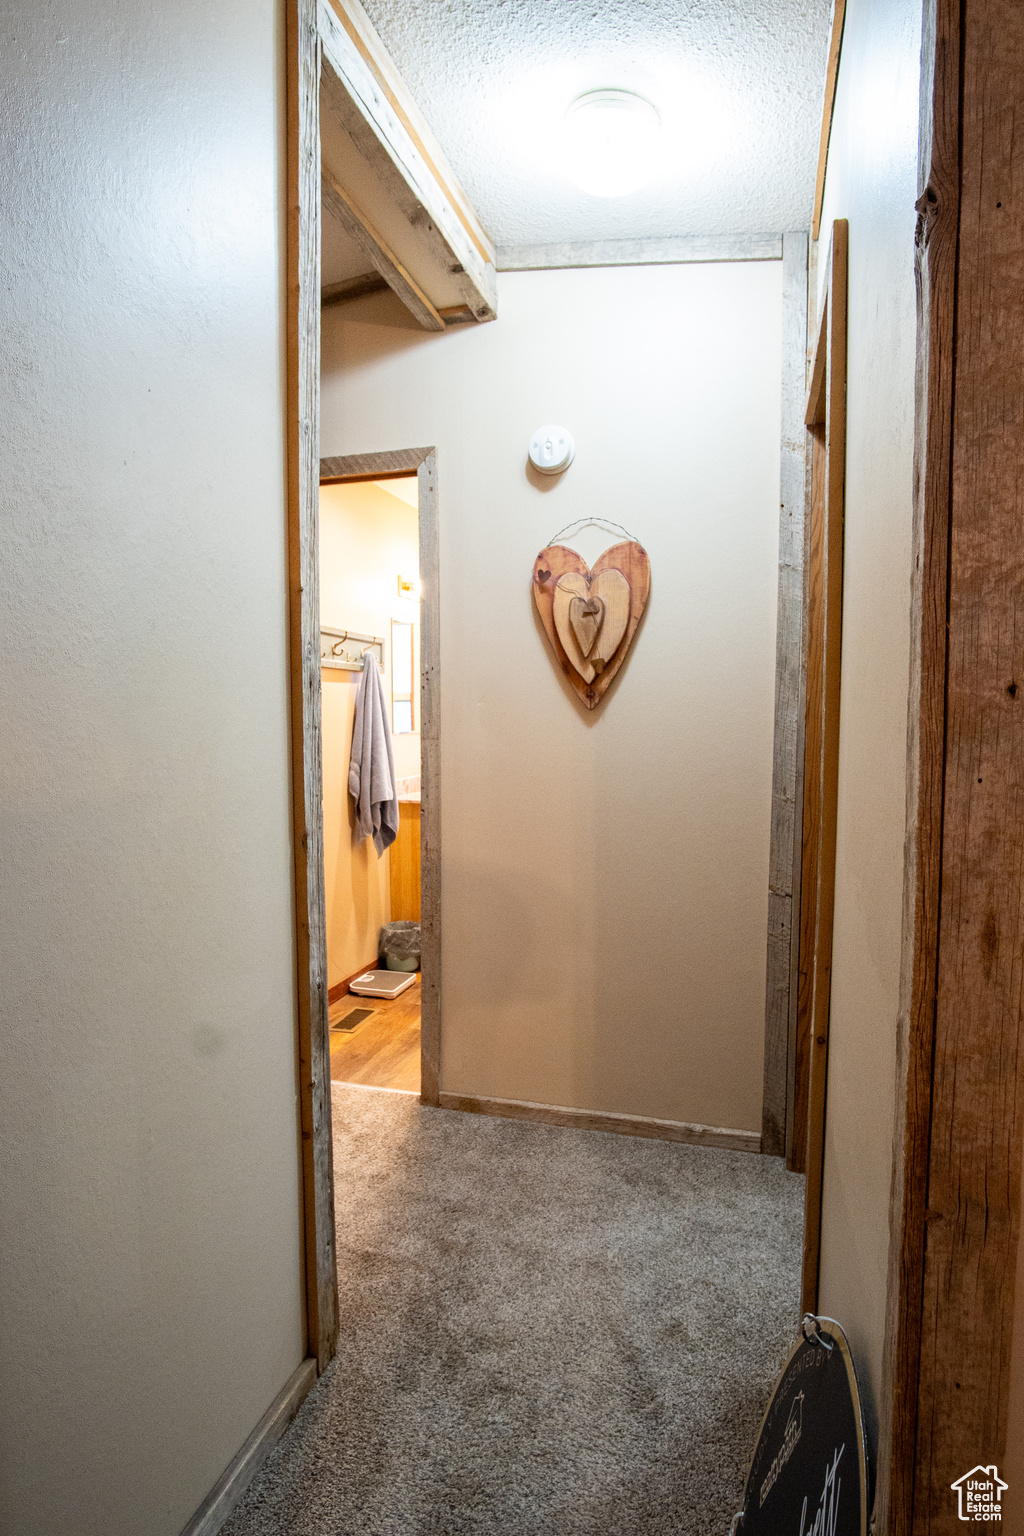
pixel 402 671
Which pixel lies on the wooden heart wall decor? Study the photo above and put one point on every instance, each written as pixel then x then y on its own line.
pixel 591 616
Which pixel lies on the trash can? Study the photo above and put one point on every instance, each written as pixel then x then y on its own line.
pixel 400 946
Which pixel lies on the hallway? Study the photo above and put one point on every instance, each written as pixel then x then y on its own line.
pixel 542 1330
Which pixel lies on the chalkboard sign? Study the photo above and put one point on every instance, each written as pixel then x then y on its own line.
pixel 809 1473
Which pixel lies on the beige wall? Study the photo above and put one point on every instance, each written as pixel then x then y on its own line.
pixel 368 537
pixel 149 1204
pixel 871 181
pixel 605 876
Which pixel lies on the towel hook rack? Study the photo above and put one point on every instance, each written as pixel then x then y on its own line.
pixel 346 649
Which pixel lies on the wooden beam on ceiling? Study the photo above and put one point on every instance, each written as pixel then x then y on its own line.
pixel 363 33
pixel 636 253
pixel 365 92
pixel 352 288
pixel 356 224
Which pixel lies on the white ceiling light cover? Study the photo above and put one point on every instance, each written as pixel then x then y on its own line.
pixel 612 142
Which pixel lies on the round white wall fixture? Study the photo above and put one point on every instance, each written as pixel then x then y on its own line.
pixel 551 450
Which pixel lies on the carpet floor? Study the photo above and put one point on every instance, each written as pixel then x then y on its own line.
pixel 544 1332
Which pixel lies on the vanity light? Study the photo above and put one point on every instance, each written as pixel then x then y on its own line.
pixel 612 142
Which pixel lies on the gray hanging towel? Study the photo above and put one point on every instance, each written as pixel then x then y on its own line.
pixel 371 772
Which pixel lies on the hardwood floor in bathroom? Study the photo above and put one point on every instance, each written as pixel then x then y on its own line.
pixel 384 1050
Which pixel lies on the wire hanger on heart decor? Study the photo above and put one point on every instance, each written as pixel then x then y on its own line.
pixel 593 522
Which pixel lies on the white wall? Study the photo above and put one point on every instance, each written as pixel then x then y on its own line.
pixel 605 876
pixel 872 173
pixel 150 1185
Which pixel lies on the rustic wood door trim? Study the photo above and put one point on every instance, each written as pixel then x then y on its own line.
pixel 827 109
pixel 955 1215
pixel 783 899
pixel 806 881
pixel 826 421
pixel 379 466
pixel 303 432
pixel 364 90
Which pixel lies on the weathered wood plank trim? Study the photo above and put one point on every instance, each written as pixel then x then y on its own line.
pixel 936 258
pixel 243 1467
pixel 354 94
pixel 430 783
pixel 353 288
pixel 834 399
pixel 789 655
pixel 303 430
pixel 373 466
pixel 599 1120
pixel 632 253
pixel 376 249
pixel 806 877
pixel 972 1214
pixel 367 40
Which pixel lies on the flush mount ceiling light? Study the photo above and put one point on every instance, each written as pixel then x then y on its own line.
pixel 612 142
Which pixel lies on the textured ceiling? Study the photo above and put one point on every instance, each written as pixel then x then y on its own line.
pixel 738 84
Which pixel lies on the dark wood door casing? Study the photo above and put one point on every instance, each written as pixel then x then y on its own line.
pixel 826 423
pixel 955 1217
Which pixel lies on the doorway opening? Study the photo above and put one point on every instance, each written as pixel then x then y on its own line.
pixel 376 523
pixel 369 611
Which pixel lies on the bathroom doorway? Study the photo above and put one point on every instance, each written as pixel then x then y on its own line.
pixel 376 515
